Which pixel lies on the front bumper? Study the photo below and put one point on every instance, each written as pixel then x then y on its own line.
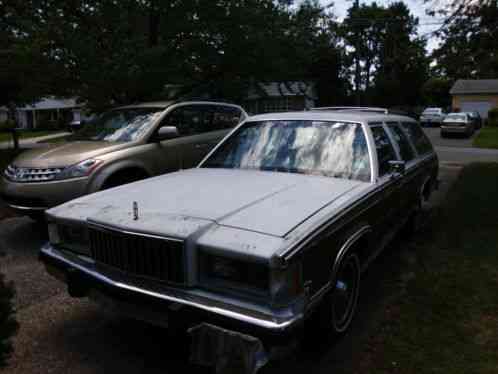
pixel 197 306
pixel 431 121
pixel 455 129
pixel 38 196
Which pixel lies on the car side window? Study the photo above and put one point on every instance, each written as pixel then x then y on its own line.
pixel 385 149
pixel 190 119
pixel 417 136
pixel 225 117
pixel 407 153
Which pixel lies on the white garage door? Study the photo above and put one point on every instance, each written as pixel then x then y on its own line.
pixel 481 106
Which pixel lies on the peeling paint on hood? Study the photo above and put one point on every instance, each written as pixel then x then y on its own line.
pixel 179 203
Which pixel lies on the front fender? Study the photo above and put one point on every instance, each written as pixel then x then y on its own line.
pixel 103 174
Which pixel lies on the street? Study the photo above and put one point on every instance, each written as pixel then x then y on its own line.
pixel 59 334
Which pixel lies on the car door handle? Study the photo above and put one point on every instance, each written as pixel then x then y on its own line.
pixel 200 146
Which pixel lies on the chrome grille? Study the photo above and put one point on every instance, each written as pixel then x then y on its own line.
pixel 138 255
pixel 19 174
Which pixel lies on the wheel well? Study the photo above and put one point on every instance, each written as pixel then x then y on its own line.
pixel 361 247
pixel 123 176
pixel 427 189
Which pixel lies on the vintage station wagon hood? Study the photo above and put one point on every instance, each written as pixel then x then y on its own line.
pixel 177 204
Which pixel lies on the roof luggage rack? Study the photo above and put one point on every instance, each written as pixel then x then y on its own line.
pixel 352 109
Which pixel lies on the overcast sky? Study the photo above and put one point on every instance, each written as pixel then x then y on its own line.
pixel 417 7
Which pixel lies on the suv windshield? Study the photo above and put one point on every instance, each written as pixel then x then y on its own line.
pixel 333 149
pixel 120 125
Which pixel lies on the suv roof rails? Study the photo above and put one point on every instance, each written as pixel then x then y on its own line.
pixel 352 109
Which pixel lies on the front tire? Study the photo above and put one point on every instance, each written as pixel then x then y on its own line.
pixel 336 312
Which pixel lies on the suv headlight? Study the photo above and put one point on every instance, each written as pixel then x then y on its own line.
pixel 81 169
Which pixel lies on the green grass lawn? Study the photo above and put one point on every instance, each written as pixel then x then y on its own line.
pixel 4 137
pixel 445 320
pixel 487 138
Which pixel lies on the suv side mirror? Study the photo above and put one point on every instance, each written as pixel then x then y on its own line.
pixel 167 132
pixel 397 167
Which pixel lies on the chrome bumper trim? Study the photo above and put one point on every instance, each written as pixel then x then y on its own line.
pixel 26 208
pixel 225 312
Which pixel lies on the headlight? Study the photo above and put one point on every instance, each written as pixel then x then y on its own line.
pixel 81 169
pixel 227 272
pixel 72 237
pixel 286 284
pixel 53 234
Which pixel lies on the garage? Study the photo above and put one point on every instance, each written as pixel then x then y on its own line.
pixel 482 107
pixel 479 95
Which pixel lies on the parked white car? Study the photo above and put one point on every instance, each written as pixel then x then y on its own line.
pixel 458 123
pixel 432 117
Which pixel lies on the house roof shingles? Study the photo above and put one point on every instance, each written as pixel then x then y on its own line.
pixel 475 86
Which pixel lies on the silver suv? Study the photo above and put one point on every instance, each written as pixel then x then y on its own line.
pixel 121 146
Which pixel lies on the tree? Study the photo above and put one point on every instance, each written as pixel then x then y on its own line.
pixel 384 42
pixel 402 60
pixel 108 52
pixel 435 92
pixel 469 43
pixel 363 30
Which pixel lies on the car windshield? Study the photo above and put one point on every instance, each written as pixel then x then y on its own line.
pixel 456 117
pixel 332 149
pixel 432 111
pixel 120 125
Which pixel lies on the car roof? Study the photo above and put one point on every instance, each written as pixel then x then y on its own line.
pixel 353 109
pixel 165 104
pixel 323 115
pixel 151 104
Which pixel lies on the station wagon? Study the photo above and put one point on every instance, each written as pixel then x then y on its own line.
pixel 272 229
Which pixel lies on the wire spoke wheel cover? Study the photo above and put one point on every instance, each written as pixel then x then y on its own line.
pixel 346 292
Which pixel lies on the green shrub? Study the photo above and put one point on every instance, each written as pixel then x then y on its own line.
pixel 8 324
pixel 7 125
pixel 493 117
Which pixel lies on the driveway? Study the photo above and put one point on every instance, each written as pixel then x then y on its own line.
pixel 459 151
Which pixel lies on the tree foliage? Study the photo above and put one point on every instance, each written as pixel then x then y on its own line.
pixel 105 51
pixel 469 48
pixel 109 52
pixel 386 48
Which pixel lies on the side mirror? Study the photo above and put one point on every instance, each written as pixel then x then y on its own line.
pixel 167 132
pixel 397 167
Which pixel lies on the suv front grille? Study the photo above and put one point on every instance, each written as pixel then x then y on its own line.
pixel 139 255
pixel 18 174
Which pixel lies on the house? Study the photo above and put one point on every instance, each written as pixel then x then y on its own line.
pixel 48 112
pixel 475 94
pixel 280 97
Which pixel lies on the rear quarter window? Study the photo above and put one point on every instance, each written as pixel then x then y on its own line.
pixel 417 137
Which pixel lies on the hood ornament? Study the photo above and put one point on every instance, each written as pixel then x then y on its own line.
pixel 135 211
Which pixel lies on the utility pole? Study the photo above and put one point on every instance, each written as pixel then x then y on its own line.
pixel 357 75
